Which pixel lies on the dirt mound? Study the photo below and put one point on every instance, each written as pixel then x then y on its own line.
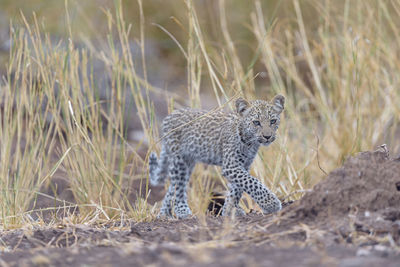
pixel 370 181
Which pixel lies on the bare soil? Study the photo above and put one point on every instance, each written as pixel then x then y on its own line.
pixel 352 218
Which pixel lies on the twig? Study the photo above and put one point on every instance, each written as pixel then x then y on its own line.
pixel 319 165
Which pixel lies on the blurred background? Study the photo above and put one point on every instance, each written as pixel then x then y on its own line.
pixel 92 81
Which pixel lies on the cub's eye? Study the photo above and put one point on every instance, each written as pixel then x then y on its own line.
pixel 257 123
pixel 273 121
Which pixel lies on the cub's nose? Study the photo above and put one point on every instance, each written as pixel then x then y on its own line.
pixel 267 137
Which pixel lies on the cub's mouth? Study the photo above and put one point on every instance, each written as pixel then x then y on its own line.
pixel 265 141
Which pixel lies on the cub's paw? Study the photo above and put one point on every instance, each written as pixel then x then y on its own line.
pixel 239 212
pixel 273 206
pixel 164 214
pixel 183 212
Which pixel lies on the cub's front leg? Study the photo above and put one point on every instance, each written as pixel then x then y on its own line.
pixel 240 181
pixel 232 201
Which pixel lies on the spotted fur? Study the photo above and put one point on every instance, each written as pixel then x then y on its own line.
pixel 228 140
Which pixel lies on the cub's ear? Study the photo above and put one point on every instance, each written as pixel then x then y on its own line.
pixel 279 103
pixel 241 105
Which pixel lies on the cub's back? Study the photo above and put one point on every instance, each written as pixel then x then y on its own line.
pixel 196 133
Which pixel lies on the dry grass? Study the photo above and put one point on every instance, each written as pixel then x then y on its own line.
pixel 338 73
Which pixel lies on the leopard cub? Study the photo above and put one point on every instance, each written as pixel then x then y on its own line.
pixel 230 140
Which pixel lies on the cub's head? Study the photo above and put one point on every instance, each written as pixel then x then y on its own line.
pixel 260 119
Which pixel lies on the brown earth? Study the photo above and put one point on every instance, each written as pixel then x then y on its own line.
pixel 369 182
pixel 352 218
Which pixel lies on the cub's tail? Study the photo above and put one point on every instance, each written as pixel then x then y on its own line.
pixel 158 168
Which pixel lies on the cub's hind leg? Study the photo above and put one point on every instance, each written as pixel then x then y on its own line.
pixel 179 172
pixel 176 196
pixel 166 208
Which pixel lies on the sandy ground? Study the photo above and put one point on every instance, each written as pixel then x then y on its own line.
pixel 352 218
